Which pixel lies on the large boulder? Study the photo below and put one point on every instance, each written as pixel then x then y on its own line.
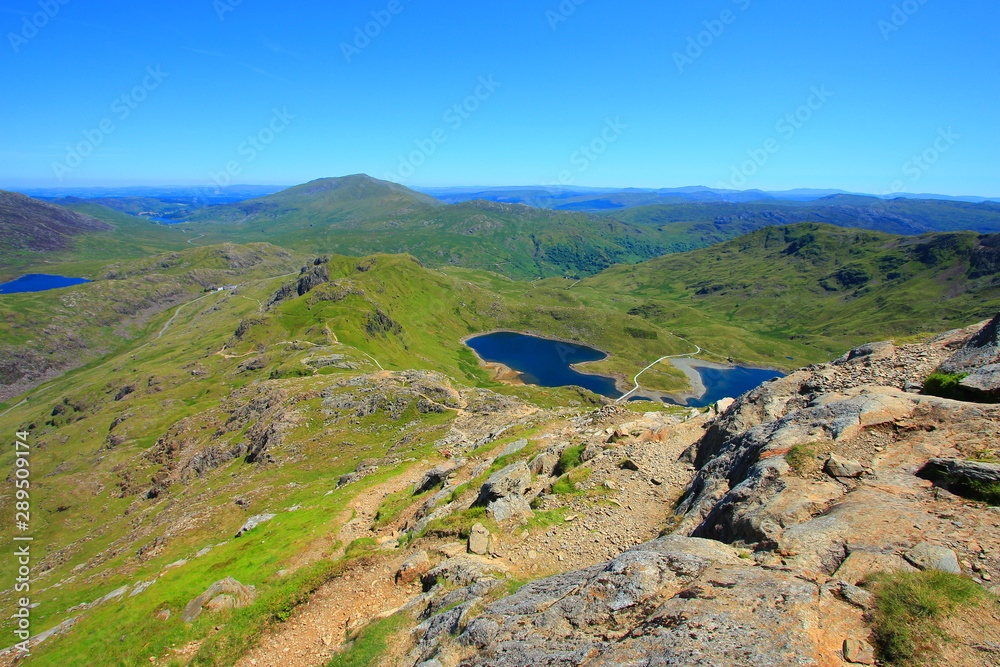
pixel 225 593
pixel 503 494
pixel 983 349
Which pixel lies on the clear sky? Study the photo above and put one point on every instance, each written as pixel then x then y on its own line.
pixel 864 95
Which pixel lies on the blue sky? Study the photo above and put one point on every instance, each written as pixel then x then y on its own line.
pixel 862 95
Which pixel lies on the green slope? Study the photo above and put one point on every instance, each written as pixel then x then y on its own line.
pixel 819 284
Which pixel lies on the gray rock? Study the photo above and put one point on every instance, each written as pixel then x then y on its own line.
pixel 463 570
pixel 241 596
pixel 253 522
pixel 838 467
pixel 983 349
pixel 503 493
pixel 958 470
pixel 859 597
pixel 508 508
pixel 544 464
pixel 514 447
pixel 928 556
pixel 437 475
pixel 479 539
pixel 985 379
pixel 140 587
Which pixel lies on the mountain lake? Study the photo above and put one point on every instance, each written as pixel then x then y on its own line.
pixel 547 363
pixel 38 282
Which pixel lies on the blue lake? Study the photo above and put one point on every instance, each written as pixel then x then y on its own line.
pixel 543 362
pixel 727 383
pixel 38 282
pixel 546 363
pixel 166 221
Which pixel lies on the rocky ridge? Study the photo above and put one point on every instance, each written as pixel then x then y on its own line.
pixel 801 489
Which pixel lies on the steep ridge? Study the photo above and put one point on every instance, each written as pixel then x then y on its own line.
pixel 31 226
pixel 804 489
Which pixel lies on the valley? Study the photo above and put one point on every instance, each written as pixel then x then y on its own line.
pixel 260 437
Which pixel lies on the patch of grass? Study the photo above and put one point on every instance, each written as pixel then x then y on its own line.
pixel 371 643
pixel 570 458
pixel 360 547
pixel 946 385
pixel 394 505
pixel 245 626
pixel 563 485
pixel 988 493
pixel 802 458
pixel 910 607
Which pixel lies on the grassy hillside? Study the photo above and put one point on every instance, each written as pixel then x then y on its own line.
pixel 816 283
pixel 108 235
pixel 44 333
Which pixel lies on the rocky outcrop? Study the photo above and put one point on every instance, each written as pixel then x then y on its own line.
pixel 802 489
pixel 504 492
pixel 685 601
pixel 226 593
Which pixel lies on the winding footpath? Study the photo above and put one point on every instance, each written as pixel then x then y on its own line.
pixel 636 380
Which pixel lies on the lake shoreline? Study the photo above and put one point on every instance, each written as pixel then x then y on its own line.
pixel 688 365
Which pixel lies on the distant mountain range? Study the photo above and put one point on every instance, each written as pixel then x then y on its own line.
pixel 579 236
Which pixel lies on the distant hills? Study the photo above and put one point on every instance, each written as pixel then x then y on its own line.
pixel 361 215
pixel 609 199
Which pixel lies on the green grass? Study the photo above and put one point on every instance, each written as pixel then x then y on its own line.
pixel 569 459
pixel 360 547
pixel 367 649
pixel 945 385
pixel 802 458
pixel 910 607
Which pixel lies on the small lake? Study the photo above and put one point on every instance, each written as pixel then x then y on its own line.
pixel 727 383
pixel 543 362
pixel 546 363
pixel 38 282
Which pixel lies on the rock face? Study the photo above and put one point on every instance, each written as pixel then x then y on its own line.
pixel 979 359
pixel 682 600
pixel 801 490
pixel 503 493
pixel 224 594
pixel 253 522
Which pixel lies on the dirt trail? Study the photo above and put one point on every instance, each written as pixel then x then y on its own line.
pixel 346 603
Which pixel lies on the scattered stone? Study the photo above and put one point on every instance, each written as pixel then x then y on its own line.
pixel 253 522
pixel 859 652
pixel 629 464
pixel 479 539
pixel 723 404
pixel 163 614
pixel 838 467
pixel 452 549
pixel 928 556
pixel 413 568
